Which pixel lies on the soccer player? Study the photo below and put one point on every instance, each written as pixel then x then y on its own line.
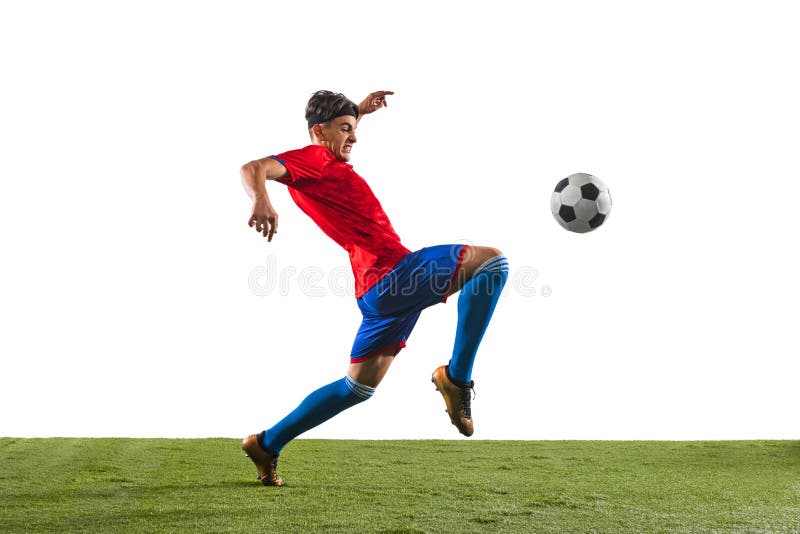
pixel 392 284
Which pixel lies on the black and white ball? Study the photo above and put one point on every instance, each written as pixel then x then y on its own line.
pixel 580 202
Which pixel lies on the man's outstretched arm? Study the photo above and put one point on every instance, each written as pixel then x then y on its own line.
pixel 254 176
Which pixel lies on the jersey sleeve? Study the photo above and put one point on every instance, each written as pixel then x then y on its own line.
pixel 302 164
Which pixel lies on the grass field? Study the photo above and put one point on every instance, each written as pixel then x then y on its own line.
pixel 207 485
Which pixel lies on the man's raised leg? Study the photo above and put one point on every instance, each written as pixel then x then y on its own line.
pixel 480 280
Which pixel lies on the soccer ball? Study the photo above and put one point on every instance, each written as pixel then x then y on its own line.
pixel 581 202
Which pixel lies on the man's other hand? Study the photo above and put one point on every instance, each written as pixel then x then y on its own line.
pixel 373 102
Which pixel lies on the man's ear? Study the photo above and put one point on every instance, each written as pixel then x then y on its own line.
pixel 316 131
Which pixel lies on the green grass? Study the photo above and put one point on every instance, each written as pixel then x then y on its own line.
pixel 157 485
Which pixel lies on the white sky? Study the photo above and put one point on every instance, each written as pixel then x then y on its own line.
pixel 127 307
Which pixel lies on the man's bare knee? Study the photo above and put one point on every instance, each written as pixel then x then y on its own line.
pixel 370 372
pixel 491 252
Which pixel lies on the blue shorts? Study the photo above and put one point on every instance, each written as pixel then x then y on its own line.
pixel 390 309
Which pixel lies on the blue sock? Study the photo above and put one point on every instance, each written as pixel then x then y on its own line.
pixel 476 304
pixel 317 408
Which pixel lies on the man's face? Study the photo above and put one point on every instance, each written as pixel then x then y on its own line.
pixel 338 136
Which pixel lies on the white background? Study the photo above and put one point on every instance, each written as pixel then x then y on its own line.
pixel 128 307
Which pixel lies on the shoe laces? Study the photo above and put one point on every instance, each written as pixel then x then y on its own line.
pixel 467 394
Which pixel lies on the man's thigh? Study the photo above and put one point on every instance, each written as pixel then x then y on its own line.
pixel 421 279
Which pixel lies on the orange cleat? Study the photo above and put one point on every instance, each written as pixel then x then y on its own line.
pixel 457 399
pixel 266 462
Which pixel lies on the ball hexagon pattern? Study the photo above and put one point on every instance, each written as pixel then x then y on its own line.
pixel 580 202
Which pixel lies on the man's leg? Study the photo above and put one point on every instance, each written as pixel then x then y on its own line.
pixel 483 274
pixel 481 279
pixel 370 372
pixel 324 403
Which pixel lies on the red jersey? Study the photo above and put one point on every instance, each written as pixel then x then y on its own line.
pixel 345 208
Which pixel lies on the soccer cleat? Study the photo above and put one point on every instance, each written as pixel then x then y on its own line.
pixel 266 462
pixel 457 398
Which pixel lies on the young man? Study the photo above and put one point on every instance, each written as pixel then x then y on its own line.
pixel 392 284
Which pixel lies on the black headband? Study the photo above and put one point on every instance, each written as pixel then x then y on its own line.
pixel 316 118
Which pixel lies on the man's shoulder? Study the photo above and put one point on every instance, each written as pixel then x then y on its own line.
pixel 314 162
pixel 309 157
pixel 315 151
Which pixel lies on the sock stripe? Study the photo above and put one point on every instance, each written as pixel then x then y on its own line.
pixel 359 390
pixel 497 263
pixel 495 260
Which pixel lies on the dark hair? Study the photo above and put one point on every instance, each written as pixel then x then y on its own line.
pixel 326 105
